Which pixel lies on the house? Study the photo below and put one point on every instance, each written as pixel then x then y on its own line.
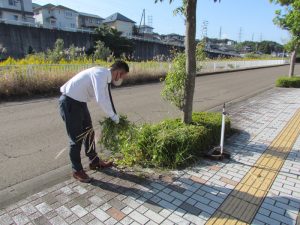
pixel 173 39
pixel 120 23
pixel 58 17
pixel 16 11
pixel 86 20
pixel 145 29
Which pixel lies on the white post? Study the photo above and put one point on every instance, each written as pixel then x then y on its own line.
pixel 223 129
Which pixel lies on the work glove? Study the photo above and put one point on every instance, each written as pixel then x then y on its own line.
pixel 115 118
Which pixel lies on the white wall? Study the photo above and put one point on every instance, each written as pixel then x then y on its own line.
pixel 64 18
pixel 124 27
pixel 17 6
pixel 12 16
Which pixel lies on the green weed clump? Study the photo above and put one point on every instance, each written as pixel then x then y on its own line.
pixel 287 82
pixel 168 144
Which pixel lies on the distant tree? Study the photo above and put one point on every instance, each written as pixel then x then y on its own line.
pixel 290 20
pixel 58 52
pixel 113 40
pixel 101 52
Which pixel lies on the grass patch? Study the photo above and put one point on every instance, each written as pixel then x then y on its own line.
pixel 288 82
pixel 168 144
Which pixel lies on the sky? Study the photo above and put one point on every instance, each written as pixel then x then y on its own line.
pixel 237 19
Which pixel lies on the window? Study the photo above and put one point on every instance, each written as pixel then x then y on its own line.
pixel 72 25
pixel 12 2
pixel 91 20
pixel 16 17
pixel 68 14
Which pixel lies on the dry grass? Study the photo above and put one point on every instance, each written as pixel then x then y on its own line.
pixel 30 80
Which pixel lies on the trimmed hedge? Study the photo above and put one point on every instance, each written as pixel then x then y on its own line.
pixel 288 82
pixel 168 144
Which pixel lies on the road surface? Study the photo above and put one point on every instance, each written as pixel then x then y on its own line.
pixel 33 137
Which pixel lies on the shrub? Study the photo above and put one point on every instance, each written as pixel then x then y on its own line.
pixel 168 144
pixel 288 82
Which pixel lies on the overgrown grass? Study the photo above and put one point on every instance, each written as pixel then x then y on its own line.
pixel 287 82
pixel 36 75
pixel 168 144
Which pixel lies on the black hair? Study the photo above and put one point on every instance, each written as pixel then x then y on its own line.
pixel 120 64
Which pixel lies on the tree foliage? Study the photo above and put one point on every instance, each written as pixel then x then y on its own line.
pixel 101 52
pixel 289 19
pixel 265 47
pixel 113 40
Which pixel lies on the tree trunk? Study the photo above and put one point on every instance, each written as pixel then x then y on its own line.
pixel 292 63
pixel 190 51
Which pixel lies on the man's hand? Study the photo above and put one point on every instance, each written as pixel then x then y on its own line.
pixel 115 118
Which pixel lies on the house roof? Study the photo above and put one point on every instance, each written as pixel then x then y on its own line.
pixel 63 7
pixel 34 5
pixel 52 7
pixel 117 16
pixel 45 7
pixel 146 26
pixel 90 15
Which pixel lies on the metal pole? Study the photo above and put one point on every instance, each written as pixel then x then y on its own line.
pixel 223 129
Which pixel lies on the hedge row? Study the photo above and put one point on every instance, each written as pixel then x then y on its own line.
pixel 288 82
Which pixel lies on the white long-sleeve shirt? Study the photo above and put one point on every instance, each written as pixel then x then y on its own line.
pixel 89 84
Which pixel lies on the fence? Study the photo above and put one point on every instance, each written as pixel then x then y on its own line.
pixel 215 66
pixel 136 68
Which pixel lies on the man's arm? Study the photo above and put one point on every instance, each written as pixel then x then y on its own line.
pixel 100 85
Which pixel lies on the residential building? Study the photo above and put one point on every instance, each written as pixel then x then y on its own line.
pixel 120 23
pixel 145 29
pixel 16 11
pixel 173 39
pixel 86 20
pixel 58 17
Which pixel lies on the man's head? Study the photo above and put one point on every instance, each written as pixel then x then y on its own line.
pixel 119 71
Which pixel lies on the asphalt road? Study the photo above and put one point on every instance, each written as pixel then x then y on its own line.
pixel 33 139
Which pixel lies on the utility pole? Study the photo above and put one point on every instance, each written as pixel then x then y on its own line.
pixel 252 37
pixel 220 33
pixel 143 18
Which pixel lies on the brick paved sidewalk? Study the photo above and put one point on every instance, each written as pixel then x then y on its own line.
pixel 259 185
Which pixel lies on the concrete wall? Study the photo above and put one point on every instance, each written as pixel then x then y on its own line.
pixel 17 39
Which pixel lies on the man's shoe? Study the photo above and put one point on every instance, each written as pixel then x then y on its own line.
pixel 100 165
pixel 82 176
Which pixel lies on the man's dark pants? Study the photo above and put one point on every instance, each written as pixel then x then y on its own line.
pixel 80 130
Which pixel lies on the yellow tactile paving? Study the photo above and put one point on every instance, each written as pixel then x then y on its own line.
pixel 243 202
